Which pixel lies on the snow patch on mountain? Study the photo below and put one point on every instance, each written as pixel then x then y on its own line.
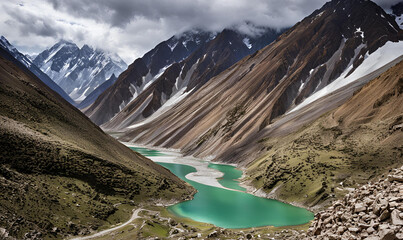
pixel 178 93
pixel 172 45
pixel 359 31
pixel 246 41
pixel 5 44
pixel 382 56
pixel 164 108
pixel 399 21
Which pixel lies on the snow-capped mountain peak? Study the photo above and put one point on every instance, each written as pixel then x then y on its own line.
pixel 27 62
pixel 79 70
pixel 193 37
pixel 6 44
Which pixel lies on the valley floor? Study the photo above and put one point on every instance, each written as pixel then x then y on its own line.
pixel 362 214
pixel 155 220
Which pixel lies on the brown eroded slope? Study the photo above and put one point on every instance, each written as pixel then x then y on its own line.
pixel 185 77
pixel 59 172
pixel 143 72
pixel 359 140
pixel 234 109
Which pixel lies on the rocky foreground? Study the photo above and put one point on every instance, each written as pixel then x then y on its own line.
pixel 372 212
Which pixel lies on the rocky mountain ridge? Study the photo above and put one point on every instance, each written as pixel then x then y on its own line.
pixel 27 62
pixel 185 77
pixel 143 72
pixel 342 148
pixel 78 71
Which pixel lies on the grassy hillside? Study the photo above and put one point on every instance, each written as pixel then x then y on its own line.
pixel 59 173
pixel 360 140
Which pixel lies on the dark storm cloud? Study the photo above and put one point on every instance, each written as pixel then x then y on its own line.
pixel 206 14
pixel 31 24
pixel 121 12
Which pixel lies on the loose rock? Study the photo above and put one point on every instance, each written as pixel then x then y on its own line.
pixel 372 212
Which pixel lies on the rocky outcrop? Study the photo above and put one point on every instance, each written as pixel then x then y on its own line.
pixel 373 212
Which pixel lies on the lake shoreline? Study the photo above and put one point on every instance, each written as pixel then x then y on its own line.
pixel 204 174
pixel 250 188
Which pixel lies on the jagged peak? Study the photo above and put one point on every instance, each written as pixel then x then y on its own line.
pixel 195 35
pixel 7 45
pixel 343 8
pixel 66 42
pixel 5 41
pixel 3 38
pixel 355 18
pixel 86 47
pixel 62 44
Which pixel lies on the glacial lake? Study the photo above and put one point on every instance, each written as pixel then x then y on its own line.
pixel 229 208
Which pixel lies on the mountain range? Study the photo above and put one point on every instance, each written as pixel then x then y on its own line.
pixel 78 71
pixel 303 74
pixel 138 93
pixel 143 72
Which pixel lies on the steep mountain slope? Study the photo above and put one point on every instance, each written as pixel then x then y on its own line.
pixel 97 91
pixel 181 79
pixel 174 50
pixel 230 113
pixel 143 72
pixel 357 141
pixel 27 62
pixel 78 71
pixel 59 173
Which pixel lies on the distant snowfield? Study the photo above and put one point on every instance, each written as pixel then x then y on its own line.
pixel 387 53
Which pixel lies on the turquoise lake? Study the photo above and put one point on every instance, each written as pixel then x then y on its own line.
pixel 232 209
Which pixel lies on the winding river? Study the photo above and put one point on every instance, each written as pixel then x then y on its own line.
pixel 221 201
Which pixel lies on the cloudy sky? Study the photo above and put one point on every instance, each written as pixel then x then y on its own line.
pixel 132 27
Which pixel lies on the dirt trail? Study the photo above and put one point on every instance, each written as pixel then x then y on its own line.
pixel 102 233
